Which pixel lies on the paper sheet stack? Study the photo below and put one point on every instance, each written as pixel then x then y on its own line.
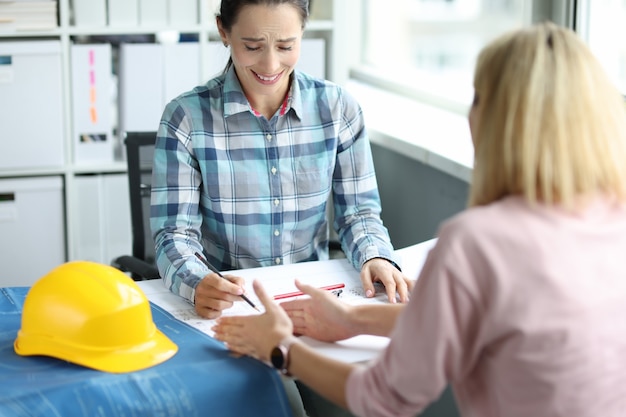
pixel 28 15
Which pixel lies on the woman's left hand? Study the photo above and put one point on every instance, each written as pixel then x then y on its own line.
pixel 383 271
pixel 255 335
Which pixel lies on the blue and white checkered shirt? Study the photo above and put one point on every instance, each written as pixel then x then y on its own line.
pixel 248 192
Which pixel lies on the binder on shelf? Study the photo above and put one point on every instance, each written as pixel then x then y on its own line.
pixel 183 12
pixel 181 68
pixel 103 227
pixel 140 87
pixel 153 13
pixel 91 13
pixel 31 216
pixel 32 105
pixel 150 75
pixel 91 103
pixel 123 13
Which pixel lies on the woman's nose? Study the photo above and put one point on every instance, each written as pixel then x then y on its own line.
pixel 269 61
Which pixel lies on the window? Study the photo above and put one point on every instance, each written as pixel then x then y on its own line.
pixel 602 25
pixel 427 48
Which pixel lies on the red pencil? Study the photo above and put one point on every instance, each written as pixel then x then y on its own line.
pixel 299 293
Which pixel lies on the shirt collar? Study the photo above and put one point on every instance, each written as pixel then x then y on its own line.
pixel 235 100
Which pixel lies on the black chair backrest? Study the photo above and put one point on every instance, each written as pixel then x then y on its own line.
pixel 139 155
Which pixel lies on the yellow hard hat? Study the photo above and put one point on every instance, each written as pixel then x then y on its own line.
pixel 92 315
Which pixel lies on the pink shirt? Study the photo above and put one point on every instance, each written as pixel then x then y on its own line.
pixel 522 310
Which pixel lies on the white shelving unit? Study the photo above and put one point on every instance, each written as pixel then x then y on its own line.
pixel 322 25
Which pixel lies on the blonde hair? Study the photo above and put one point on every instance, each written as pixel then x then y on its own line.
pixel 551 126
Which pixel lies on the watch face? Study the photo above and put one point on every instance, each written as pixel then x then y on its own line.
pixel 277 357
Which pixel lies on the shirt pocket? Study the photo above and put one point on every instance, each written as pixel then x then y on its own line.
pixel 313 179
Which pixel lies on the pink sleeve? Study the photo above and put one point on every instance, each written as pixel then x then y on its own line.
pixel 425 351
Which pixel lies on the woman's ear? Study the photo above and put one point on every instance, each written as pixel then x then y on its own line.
pixel 221 31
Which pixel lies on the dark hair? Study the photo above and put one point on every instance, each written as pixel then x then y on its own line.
pixel 229 12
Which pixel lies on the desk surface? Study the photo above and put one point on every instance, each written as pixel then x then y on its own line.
pixel 201 379
pixel 279 280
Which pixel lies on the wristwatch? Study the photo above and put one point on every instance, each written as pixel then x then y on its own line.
pixel 279 357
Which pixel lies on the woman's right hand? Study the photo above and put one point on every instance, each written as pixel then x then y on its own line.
pixel 322 316
pixel 215 294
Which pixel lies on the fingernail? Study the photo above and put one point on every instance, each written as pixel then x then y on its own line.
pixel 369 293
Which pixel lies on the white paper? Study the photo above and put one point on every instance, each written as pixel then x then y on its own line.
pixel 280 280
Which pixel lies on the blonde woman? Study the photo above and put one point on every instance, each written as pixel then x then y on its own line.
pixel 521 304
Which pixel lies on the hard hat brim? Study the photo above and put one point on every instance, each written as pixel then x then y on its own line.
pixel 121 360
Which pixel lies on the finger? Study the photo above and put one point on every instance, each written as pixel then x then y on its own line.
pixel 307 289
pixel 299 330
pixel 240 282
pixel 298 320
pixel 243 349
pixel 390 289
pixel 207 313
pixel 409 282
pixel 231 322
pixel 401 287
pixel 227 333
pixel 229 284
pixel 266 300
pixel 298 304
pixel 368 284
pixel 403 294
pixel 213 303
pixel 229 337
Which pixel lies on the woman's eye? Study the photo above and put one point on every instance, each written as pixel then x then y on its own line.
pixel 252 48
pixel 286 48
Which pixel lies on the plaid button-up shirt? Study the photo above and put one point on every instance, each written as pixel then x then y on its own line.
pixel 248 192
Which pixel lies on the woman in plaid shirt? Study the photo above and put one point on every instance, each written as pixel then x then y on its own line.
pixel 244 167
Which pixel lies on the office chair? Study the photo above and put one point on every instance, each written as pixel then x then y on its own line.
pixel 139 154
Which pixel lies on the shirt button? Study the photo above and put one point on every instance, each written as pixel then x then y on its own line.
pixel 274 170
pixel 277 261
pixel 268 137
pixel 276 233
pixel 276 202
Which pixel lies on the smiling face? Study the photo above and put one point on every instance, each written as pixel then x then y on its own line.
pixel 265 47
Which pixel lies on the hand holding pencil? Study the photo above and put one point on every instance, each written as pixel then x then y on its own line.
pixel 217 293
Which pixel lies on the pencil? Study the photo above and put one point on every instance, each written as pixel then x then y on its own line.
pixel 214 269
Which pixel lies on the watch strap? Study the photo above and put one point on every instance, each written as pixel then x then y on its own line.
pixel 284 347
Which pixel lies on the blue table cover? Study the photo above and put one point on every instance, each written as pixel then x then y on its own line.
pixel 202 379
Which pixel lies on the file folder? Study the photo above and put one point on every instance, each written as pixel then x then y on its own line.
pixel 153 13
pixel 91 13
pixel 91 103
pixel 183 12
pixel 141 91
pixel 31 217
pixel 32 107
pixel 103 227
pixel 181 68
pixel 123 13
